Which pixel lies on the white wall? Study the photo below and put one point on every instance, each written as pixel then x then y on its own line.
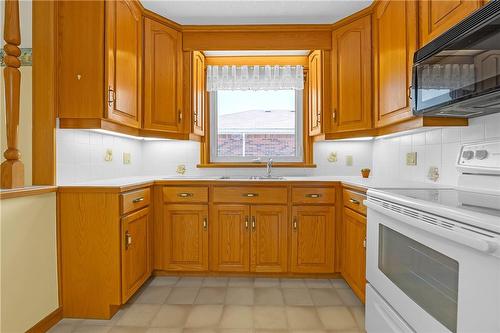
pixel 80 156
pixel 435 148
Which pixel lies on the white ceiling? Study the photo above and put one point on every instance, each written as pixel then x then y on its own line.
pixel 199 12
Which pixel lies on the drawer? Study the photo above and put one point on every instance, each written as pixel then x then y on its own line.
pixel 134 200
pixel 180 194
pixel 313 195
pixel 250 194
pixel 354 200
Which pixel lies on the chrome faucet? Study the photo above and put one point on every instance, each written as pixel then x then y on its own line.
pixel 269 168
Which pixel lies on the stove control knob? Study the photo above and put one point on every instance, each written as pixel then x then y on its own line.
pixel 481 154
pixel 467 154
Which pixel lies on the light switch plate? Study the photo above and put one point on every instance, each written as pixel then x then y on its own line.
pixel 127 158
pixel 411 158
pixel 348 160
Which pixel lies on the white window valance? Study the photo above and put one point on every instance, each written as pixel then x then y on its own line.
pixel 255 77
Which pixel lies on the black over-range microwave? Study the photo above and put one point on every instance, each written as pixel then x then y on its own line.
pixel 458 73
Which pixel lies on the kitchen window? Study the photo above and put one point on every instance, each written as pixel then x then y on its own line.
pixel 256 113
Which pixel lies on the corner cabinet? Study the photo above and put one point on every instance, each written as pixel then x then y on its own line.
pixel 437 16
pixel 395 41
pixel 99 64
pixel 162 78
pixel 351 68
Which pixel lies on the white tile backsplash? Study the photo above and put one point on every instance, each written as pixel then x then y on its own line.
pixel 80 155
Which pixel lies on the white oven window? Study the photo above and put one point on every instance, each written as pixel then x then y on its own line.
pixel 428 277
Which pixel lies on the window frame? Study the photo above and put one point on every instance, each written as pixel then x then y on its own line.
pixel 299 135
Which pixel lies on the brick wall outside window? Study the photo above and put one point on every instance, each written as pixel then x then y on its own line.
pixel 256 145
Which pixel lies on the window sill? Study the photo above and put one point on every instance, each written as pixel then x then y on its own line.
pixel 256 165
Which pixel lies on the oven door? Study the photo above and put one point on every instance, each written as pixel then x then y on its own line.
pixel 436 284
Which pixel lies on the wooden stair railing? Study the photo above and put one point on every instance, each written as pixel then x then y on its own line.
pixel 12 168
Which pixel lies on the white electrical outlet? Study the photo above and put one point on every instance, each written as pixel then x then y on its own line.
pixel 127 158
pixel 349 160
pixel 411 158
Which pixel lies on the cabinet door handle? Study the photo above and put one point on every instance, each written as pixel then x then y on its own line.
pixel 250 195
pixel 111 96
pixel 254 223
pixel 334 114
pixel 246 222
pixel 364 243
pixel 354 201
pixel 185 195
pixel 179 119
pixel 136 200
pixel 313 195
pixel 128 239
pixel 295 224
pixel 205 223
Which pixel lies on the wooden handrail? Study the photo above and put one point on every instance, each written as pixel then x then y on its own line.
pixel 12 168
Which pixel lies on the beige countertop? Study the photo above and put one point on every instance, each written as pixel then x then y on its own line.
pixel 347 180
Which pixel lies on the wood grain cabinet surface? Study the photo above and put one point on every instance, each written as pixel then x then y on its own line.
pixel 395 41
pixel 351 78
pixel 198 89
pixel 437 16
pixel 185 237
pixel 162 78
pixel 313 234
pixel 315 93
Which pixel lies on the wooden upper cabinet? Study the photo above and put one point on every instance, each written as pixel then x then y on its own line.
pixel 269 238
pixel 395 41
pixel 185 237
pixel 124 50
pixel 230 238
pixel 315 86
pixel 135 252
pixel 313 239
pixel 162 78
pixel 351 96
pixel 437 16
pixel 198 93
pixel 354 251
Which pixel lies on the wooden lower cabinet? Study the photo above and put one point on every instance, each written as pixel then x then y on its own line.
pixel 135 252
pixel 354 258
pixel 185 237
pixel 313 246
pixel 230 238
pixel 268 242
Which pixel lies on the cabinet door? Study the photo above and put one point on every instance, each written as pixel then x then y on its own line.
pixel 162 78
pixel 230 238
pixel 135 252
pixel 315 88
pixel 395 42
pixel 185 234
pixel 124 46
pixel 354 251
pixel 437 16
pixel 351 77
pixel 269 238
pixel 198 91
pixel 313 239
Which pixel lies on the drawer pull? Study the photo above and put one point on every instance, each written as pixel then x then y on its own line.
pixel 205 223
pixel 313 195
pixel 354 201
pixel 185 195
pixel 250 195
pixel 136 200
pixel 295 224
pixel 128 239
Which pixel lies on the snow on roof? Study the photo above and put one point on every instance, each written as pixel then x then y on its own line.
pixel 258 121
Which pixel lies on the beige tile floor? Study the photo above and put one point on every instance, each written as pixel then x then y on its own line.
pixel 232 305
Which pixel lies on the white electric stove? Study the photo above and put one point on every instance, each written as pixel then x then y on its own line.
pixel 433 255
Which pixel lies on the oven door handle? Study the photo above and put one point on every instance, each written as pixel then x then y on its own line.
pixel 478 243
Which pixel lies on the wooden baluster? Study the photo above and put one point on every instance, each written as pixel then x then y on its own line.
pixel 12 168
